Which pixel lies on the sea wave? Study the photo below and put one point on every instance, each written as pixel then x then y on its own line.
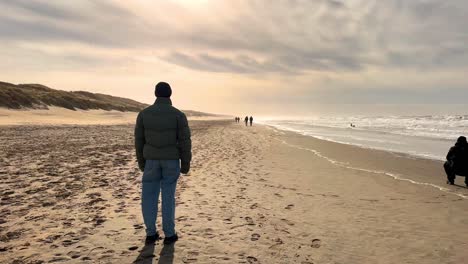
pixel 434 126
pixel 423 136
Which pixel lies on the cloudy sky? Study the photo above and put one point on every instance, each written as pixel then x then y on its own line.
pixel 261 56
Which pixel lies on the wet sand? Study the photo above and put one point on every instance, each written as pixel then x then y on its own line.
pixel 255 195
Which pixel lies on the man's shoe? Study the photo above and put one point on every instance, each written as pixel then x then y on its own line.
pixel 171 239
pixel 152 239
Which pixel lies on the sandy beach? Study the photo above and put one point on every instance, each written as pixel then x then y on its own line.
pixel 71 194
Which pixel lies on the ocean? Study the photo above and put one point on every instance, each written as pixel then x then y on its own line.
pixel 428 136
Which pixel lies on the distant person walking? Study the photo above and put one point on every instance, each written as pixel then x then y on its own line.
pixel 251 120
pixel 163 150
pixel 246 120
pixel 457 161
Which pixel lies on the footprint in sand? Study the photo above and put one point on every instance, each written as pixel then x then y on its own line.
pixel 278 241
pixel 189 260
pixel 58 259
pixel 67 243
pixel 133 248
pixel 290 206
pixel 137 226
pixel 193 253
pixel 4 249
pixel 316 243
pixel 74 254
pixel 287 221
pixel 249 220
pixel 251 259
pixel 255 237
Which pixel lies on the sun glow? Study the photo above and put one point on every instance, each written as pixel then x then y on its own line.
pixel 192 3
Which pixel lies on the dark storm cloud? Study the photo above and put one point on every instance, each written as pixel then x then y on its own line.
pixel 258 36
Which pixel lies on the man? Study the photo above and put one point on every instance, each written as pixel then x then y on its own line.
pixel 162 139
pixel 457 161
pixel 251 120
pixel 246 120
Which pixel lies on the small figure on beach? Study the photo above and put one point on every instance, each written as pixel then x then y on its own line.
pixel 164 150
pixel 457 161
pixel 352 125
pixel 246 120
pixel 251 120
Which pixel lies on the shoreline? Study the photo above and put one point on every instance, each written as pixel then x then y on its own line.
pixel 434 177
pixel 396 152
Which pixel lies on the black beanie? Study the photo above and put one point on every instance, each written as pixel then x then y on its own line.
pixel 461 140
pixel 163 89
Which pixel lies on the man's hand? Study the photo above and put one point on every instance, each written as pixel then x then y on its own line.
pixel 141 165
pixel 185 168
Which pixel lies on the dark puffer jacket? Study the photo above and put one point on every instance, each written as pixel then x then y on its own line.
pixel 458 155
pixel 162 133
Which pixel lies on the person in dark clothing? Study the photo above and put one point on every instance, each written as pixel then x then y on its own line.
pixel 457 161
pixel 251 120
pixel 246 120
pixel 164 150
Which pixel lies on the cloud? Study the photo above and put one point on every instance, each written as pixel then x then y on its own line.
pixel 241 64
pixel 336 50
pixel 41 9
pixel 258 36
pixel 90 22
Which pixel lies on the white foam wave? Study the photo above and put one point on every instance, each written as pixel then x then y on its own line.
pixel 441 127
pixel 424 147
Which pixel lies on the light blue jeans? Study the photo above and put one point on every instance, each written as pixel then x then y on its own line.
pixel 159 175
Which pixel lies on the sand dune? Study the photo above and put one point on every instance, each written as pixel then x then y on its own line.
pixel 255 195
pixel 37 96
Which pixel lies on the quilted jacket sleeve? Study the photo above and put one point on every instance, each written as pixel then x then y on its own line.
pixel 140 141
pixel 184 141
